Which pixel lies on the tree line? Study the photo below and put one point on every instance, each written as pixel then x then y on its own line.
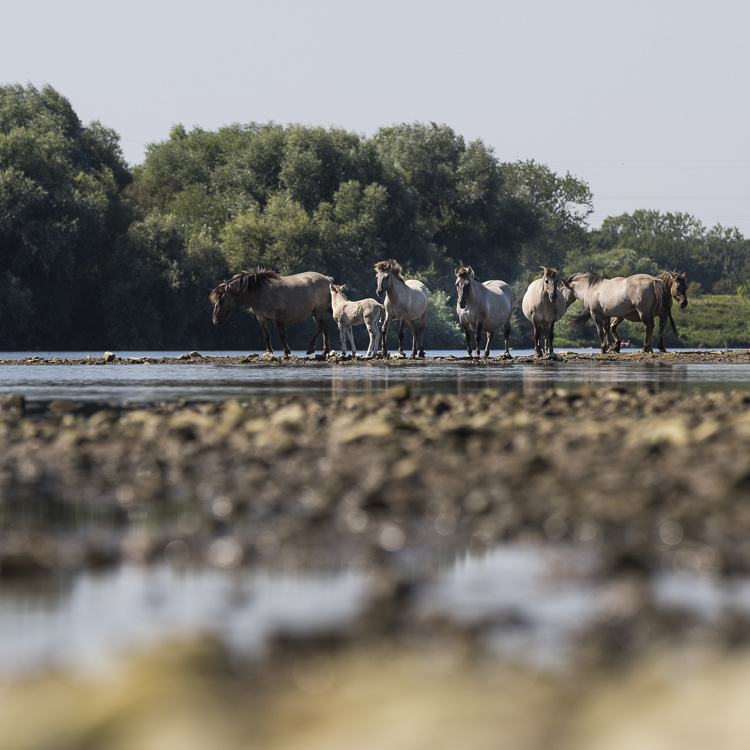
pixel 96 254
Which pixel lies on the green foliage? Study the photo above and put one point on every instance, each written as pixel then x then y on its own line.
pixel 714 321
pixel 718 258
pixel 61 209
pixel 95 254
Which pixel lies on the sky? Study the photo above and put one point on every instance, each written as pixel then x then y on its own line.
pixel 645 101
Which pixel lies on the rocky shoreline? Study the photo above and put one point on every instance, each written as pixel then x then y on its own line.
pixel 707 356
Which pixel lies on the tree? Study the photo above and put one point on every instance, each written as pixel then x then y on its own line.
pixel 556 211
pixel 60 209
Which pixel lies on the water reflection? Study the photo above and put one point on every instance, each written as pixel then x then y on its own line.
pixel 534 599
pixel 207 382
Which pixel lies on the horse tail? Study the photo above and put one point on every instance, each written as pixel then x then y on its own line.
pixel 580 319
pixel 662 297
pixel 671 321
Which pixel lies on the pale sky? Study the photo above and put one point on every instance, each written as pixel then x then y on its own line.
pixel 646 101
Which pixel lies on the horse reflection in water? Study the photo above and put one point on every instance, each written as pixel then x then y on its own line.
pixel 283 299
pixel 483 307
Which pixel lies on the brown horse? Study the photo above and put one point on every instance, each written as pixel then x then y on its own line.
pixel 284 299
pixel 639 298
pixel 675 284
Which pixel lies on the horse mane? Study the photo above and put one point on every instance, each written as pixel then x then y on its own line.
pixel 389 266
pixel 592 276
pixel 245 282
pixel 467 272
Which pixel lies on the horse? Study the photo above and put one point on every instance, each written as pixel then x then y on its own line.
pixel 675 284
pixel 406 301
pixel 639 297
pixel 483 307
pixel 284 299
pixel 544 304
pixel 348 313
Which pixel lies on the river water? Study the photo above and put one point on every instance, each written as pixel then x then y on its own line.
pixel 154 383
pixel 79 618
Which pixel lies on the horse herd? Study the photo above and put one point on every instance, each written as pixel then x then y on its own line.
pixel 481 306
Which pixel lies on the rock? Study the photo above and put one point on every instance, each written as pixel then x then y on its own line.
pixel 196 355
pixel 109 357
pixel 13 402
pixel 62 406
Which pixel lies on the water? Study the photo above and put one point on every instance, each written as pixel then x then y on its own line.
pixel 85 618
pixel 84 621
pixel 153 383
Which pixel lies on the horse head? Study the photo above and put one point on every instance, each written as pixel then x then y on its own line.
pixel 679 288
pixel 339 289
pixel 549 283
pixel 383 271
pixel 463 285
pixel 223 302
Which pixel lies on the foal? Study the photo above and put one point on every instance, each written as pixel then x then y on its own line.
pixel 349 313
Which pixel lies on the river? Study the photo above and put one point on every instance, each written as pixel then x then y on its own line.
pixel 155 383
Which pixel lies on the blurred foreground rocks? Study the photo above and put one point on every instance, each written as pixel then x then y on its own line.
pixel 645 476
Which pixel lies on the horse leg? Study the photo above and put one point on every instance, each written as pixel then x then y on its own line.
pixel 373 328
pixel 266 335
pixel 601 329
pixel 371 332
pixel 350 333
pixel 420 328
pixel 490 336
pixel 537 339
pixel 314 339
pixel 414 338
pixel 648 322
pixel 282 333
pixel 342 335
pixel 551 338
pixel 467 333
pixel 617 341
pixel 384 333
pixel 478 341
pixel 662 328
pixel 506 336
pixel 401 338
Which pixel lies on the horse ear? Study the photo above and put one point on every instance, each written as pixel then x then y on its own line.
pixel 342 287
